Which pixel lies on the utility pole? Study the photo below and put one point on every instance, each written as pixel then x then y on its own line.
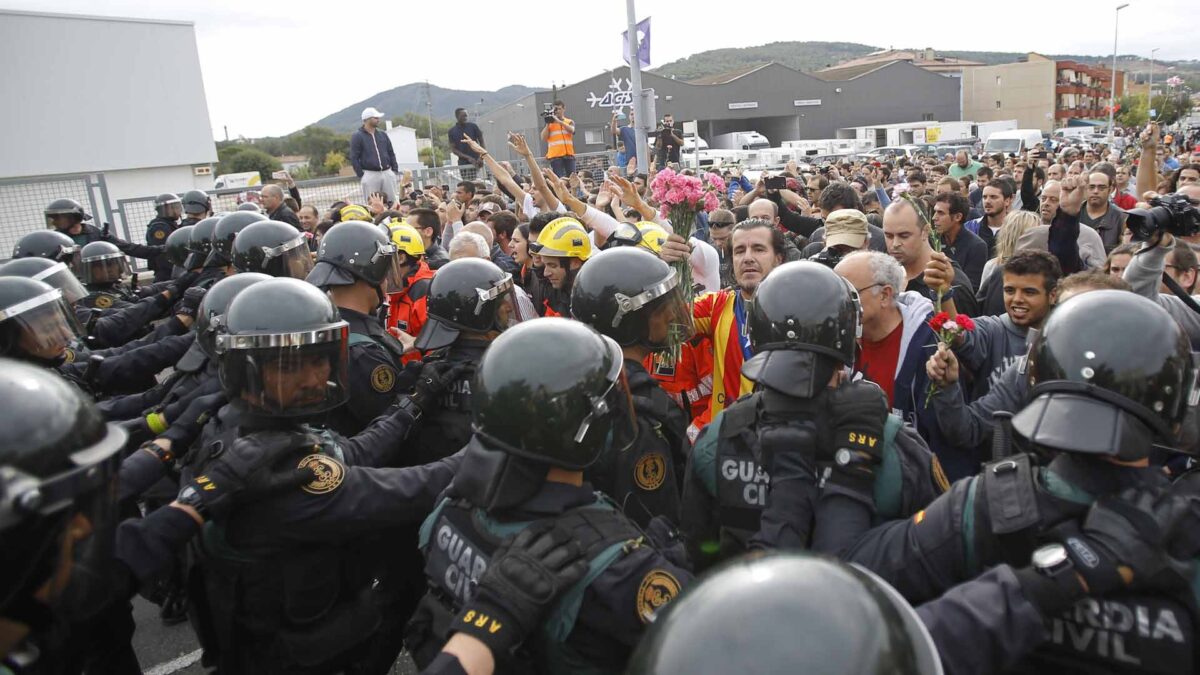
pixel 429 112
pixel 1150 90
pixel 1112 85
pixel 635 81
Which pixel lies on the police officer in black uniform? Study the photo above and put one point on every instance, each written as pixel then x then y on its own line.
pixel 752 479
pixel 105 328
pixel 68 217
pixel 38 326
pixel 288 583
pixel 470 302
pixel 547 398
pixel 196 207
pixel 199 257
pixel 65 559
pixel 356 263
pixel 634 298
pixel 167 209
pixel 273 248
pixel 1101 399
pixel 176 253
pixel 800 613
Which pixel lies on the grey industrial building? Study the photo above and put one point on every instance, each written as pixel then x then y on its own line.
pixel 777 101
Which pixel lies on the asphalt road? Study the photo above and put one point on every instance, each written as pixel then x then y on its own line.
pixel 164 650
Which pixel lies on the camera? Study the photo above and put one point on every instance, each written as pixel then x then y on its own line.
pixel 1173 213
pixel 548 113
pixel 829 256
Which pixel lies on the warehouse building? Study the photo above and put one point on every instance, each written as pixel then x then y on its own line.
pixel 777 101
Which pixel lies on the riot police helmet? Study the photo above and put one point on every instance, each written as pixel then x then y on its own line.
pixel 196 203
pixel 101 262
pixel 803 327
pixel 225 232
pixel 56 274
pixel 36 324
pixel 168 205
pixel 210 314
pixel 632 297
pixel 357 251
pixel 468 294
pixel 177 245
pixel 250 207
pixel 282 350
pixel 200 243
pixel 59 462
pixel 1103 387
pixel 49 244
pixel 785 613
pixel 553 391
pixel 65 207
pixel 273 248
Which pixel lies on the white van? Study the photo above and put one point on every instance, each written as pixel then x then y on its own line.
pixel 1012 142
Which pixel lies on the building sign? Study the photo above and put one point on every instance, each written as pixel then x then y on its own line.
pixel 918 135
pixel 803 102
pixel 618 97
pixel 744 105
pixel 933 134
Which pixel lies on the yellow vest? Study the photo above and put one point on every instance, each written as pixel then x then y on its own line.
pixel 560 142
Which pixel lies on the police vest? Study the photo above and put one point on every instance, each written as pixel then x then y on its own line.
pixel 304 608
pixel 646 478
pixel 448 429
pixel 459 541
pixel 727 458
pixel 1122 633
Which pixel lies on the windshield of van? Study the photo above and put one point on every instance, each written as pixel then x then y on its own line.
pixel 1005 145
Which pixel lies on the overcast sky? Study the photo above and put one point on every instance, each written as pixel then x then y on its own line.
pixel 272 66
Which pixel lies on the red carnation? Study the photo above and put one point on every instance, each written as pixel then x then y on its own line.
pixel 965 322
pixel 939 321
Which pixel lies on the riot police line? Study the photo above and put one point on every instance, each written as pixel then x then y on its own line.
pixel 524 497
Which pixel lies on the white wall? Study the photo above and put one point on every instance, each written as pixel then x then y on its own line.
pixel 87 94
pixel 404 144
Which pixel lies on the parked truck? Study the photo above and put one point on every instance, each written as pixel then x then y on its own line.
pixel 739 140
pixel 237 180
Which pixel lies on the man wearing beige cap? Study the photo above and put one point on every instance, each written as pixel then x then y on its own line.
pixel 373 159
pixel 845 232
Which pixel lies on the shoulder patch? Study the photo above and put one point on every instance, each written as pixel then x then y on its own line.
pixel 104 301
pixel 383 378
pixel 160 234
pixel 650 471
pixel 328 474
pixel 658 588
pixel 69 356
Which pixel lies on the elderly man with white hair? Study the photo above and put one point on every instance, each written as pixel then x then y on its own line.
pixel 276 208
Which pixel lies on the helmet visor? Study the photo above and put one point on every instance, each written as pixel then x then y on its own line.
pixel 43 327
pixel 59 276
pixel 293 374
pixel 105 269
pixel 612 422
pixel 290 259
pixel 393 282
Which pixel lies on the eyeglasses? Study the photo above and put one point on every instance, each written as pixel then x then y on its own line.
pixel 714 223
pixel 860 290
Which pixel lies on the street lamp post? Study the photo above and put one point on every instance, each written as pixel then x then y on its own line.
pixel 1150 91
pixel 1112 86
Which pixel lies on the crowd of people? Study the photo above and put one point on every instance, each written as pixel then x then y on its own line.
pixel 917 416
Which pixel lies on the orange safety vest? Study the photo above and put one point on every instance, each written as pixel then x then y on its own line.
pixel 560 143
pixel 407 309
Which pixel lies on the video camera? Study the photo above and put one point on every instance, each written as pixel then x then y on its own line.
pixel 1174 213
pixel 548 113
pixel 830 256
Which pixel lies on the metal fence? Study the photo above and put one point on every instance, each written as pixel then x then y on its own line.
pixel 23 202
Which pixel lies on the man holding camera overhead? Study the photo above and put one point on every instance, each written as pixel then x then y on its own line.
pixel 559 134
pixel 666 148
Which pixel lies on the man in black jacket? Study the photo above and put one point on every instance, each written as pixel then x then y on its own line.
pixel 276 208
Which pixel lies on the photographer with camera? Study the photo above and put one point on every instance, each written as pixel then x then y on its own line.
pixel 669 141
pixel 845 232
pixel 559 134
pixel 1169 217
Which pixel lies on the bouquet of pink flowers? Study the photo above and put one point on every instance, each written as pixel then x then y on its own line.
pixel 680 197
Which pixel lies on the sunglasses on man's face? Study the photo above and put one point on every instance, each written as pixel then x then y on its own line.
pixel 712 223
